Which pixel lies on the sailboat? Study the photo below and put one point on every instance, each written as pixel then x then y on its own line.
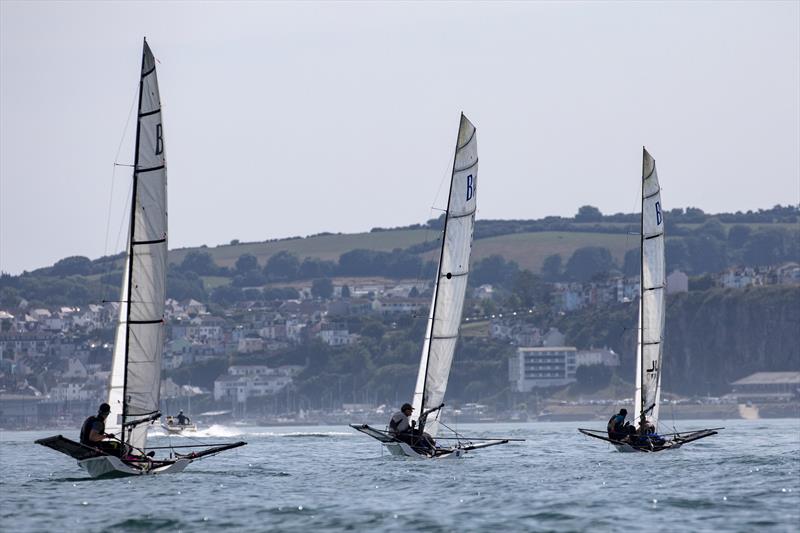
pixel 135 384
pixel 444 318
pixel 650 339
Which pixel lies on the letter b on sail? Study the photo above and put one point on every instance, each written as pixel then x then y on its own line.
pixel 159 140
pixel 470 188
pixel 658 214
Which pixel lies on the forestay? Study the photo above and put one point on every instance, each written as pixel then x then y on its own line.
pixel 652 297
pixel 451 281
pixel 136 367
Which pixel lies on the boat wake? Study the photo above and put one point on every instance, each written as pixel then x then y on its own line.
pixel 228 431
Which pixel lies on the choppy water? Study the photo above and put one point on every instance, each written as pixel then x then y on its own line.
pixel 334 479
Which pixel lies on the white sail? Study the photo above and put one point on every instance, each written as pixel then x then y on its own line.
pixel 136 367
pixel 451 281
pixel 652 299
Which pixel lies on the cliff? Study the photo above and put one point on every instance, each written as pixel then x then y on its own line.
pixel 713 337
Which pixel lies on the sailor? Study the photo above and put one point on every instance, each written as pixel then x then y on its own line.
pixel 616 425
pixel 400 423
pixel 182 419
pixel 646 427
pixel 93 431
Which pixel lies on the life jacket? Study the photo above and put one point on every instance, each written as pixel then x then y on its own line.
pixel 395 421
pixel 614 424
pixel 86 429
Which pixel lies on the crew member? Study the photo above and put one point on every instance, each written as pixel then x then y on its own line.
pixel 616 425
pixel 400 422
pixel 93 432
pixel 182 419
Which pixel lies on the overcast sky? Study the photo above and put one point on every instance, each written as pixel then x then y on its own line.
pixel 295 118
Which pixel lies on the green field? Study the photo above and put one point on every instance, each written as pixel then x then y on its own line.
pixel 529 250
pixel 328 247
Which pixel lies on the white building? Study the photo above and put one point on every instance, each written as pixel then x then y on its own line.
pixel 677 282
pixel 247 381
pixel 250 345
pixel 401 306
pixel 75 369
pixel 70 392
pixel 602 356
pixel 545 366
pixel 336 337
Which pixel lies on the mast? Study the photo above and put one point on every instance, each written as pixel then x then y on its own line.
pixel 131 240
pixel 441 256
pixel 640 347
pixel 651 297
pixel 447 303
pixel 134 390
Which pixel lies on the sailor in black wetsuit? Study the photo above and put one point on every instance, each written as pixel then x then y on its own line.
pixel 616 425
pixel 93 432
pixel 182 419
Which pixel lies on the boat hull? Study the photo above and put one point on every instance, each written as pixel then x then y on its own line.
pixel 404 450
pixel 110 466
pixel 670 442
pixel 177 430
pixel 627 448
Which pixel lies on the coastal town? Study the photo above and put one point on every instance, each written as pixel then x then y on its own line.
pixel 55 362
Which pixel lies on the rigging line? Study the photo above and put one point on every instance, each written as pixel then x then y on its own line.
pixel 428 229
pixel 124 218
pixel 113 172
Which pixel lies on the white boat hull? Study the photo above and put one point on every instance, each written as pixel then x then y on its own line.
pixel 108 465
pixel 627 448
pixel 177 430
pixel 404 450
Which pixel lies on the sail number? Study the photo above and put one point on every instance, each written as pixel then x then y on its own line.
pixel 470 188
pixel 659 218
pixel 159 140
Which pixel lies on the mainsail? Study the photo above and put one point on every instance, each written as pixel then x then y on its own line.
pixel 451 279
pixel 652 297
pixel 136 367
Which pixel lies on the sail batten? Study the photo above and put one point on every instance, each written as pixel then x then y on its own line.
pixel 136 367
pixel 450 288
pixel 652 298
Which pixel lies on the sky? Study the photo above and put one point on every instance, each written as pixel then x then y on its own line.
pixel 285 119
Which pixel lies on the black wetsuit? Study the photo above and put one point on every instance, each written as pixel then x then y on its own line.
pixel 616 426
pixel 98 424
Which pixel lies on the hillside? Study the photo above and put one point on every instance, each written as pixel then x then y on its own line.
pixel 712 337
pixel 327 246
pixel 561 249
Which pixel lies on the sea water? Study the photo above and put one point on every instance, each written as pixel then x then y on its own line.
pixel 326 478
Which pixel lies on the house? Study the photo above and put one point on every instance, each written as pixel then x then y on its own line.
pixel 15 345
pixel 602 356
pixel 71 391
pixel 351 306
pixel 246 381
pixel 401 306
pixel 274 330
pixel 767 387
pixel 484 292
pixel 333 335
pixel 677 282
pixel 788 274
pixel 75 369
pixel 250 344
